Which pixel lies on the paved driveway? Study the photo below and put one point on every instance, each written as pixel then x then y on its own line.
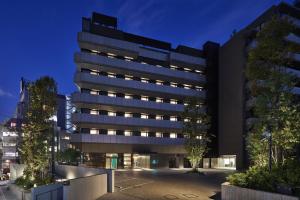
pixel 166 185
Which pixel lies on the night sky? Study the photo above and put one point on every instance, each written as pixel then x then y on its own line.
pixel 39 37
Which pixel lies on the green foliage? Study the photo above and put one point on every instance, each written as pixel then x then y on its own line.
pixel 271 85
pixel 27 183
pixel 195 127
pixel 38 128
pixel 69 156
pixel 261 179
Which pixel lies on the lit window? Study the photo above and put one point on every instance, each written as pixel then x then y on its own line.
pixel 127 133
pixel 144 98
pixel 186 120
pixel 94 131
pixel 94 112
pixel 173 118
pixel 198 71
pixel 111 114
pixel 185 103
pixel 173 84
pixel 111 132
pixel 111 94
pixel 94 92
pixel 144 134
pixel 198 88
pixel 199 137
pixel 145 80
pixel 159 100
pixel 186 86
pixel 127 114
pixel 159 82
pixel 199 121
pixel 158 134
pixel 143 63
pixel 187 69
pixel 158 117
pixel 128 77
pixel 127 58
pixel 173 135
pixel 94 72
pixel 111 54
pixel 13 124
pixel 144 116
pixel 111 75
pixel 94 51
pixel 173 101
pixel 173 67
pixel 128 96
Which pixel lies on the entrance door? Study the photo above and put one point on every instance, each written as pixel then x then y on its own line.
pixel 141 161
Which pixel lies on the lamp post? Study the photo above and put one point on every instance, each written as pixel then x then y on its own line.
pixel 267 134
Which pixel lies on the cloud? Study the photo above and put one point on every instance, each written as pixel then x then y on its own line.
pixel 5 94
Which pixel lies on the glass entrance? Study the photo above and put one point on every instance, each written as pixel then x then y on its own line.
pixel 141 161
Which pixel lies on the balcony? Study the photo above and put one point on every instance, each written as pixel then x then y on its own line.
pixel 117 139
pixel 293 38
pixel 123 105
pixel 186 60
pixel 106 44
pixel 123 123
pixel 137 69
pixel 85 80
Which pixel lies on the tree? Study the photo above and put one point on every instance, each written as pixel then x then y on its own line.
pixel 69 156
pixel 195 126
pixel 38 127
pixel 271 84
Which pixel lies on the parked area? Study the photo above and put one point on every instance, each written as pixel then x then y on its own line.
pixel 167 184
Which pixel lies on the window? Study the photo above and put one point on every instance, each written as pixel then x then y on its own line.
pixel 198 71
pixel 173 101
pixel 143 63
pixel 111 75
pixel 172 84
pixel 187 69
pixel 173 135
pixel 199 137
pixel 173 118
pixel 159 100
pixel 186 86
pixel 186 120
pixel 128 96
pixel 158 134
pixel 94 72
pixel 94 92
pixel 127 133
pixel 94 112
pixel 198 88
pixel 199 121
pixel 95 51
pixel 111 132
pixel 113 114
pixel 144 116
pixel 144 134
pixel 94 131
pixel 158 66
pixel 159 117
pixel 128 77
pixel 111 94
pixel 159 82
pixel 173 67
pixel 13 124
pixel 127 114
pixel 145 80
pixel 144 98
pixel 185 103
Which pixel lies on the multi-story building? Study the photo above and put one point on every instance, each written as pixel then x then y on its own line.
pixel 131 92
pixel 235 103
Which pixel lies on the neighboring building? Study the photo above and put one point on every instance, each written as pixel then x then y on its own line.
pixel 235 103
pixel 132 90
pixel 9 134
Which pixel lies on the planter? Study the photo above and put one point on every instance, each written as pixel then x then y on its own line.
pixel 20 192
pixel 230 192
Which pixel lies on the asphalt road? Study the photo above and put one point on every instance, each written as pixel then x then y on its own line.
pixel 167 185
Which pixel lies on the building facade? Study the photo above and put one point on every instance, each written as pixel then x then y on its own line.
pixel 131 92
pixel 235 103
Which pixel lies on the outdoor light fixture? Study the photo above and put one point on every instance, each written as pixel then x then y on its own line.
pixel 268 135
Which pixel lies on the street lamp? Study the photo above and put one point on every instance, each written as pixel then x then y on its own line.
pixel 268 134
